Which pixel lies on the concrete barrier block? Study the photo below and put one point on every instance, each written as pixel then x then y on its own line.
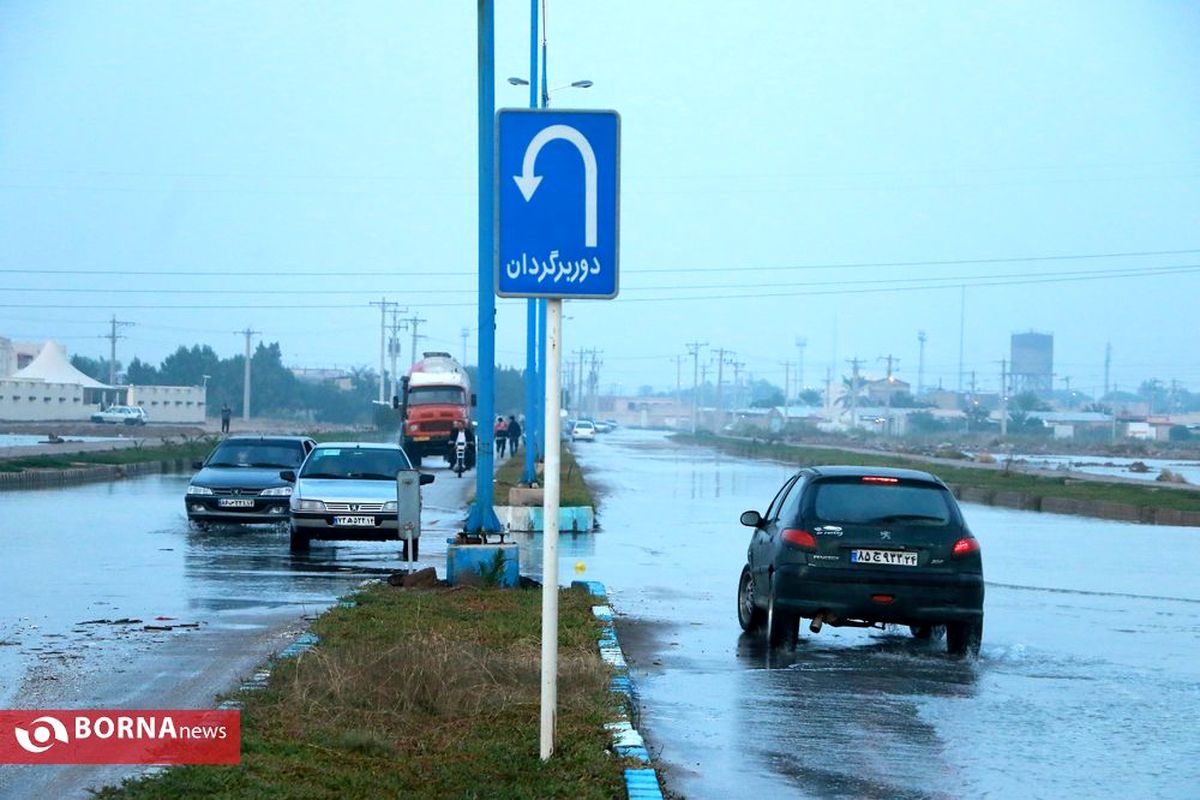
pixel 525 496
pixel 1060 505
pixel 973 494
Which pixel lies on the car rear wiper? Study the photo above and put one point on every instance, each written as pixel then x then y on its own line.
pixel 907 518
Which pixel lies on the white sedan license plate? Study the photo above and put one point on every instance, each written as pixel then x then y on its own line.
pixel 235 502
pixel 365 522
pixel 893 557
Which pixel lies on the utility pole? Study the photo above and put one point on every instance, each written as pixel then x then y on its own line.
pixel 394 348
pixel 112 351
pixel 1107 365
pixel 801 343
pixel 678 359
pixel 962 334
pixel 1067 386
pixel 889 358
pixel 384 305
pixel 1003 397
pixel 787 382
pixel 415 321
pixel 921 364
pixel 693 349
pixel 722 354
pixel 854 364
pixel 465 333
pixel 738 366
pixel 828 388
pixel 246 374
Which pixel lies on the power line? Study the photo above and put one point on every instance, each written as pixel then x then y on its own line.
pixel 985 283
pixel 191 273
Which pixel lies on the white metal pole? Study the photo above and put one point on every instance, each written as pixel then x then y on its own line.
pixel 550 504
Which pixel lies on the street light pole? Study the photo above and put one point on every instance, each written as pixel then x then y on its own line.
pixel 534 365
pixel 482 517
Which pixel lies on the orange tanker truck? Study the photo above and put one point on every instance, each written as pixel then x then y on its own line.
pixel 435 401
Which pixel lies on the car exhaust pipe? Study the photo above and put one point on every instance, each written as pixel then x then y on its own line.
pixel 817 622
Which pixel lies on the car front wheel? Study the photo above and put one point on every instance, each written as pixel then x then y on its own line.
pixel 299 541
pixel 750 616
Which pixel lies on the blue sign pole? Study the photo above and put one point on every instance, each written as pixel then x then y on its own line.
pixel 532 353
pixel 482 517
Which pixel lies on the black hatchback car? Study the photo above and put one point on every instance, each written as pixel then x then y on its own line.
pixel 239 483
pixel 863 547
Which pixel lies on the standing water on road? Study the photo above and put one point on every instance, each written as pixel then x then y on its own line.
pixel 1088 684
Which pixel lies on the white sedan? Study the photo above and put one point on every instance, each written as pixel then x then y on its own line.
pixel 116 415
pixel 584 430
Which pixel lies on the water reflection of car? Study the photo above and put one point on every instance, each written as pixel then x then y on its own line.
pixel 121 415
pixel 863 547
pixel 347 490
pixel 239 482
pixel 584 430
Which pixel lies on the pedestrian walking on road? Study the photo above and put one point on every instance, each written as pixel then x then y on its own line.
pixel 514 435
pixel 226 415
pixel 501 432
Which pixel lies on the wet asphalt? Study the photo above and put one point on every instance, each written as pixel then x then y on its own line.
pixel 111 600
pixel 1088 684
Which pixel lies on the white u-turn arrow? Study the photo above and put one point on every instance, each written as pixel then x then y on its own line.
pixel 528 183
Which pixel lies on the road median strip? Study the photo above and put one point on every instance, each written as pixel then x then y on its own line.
pixel 422 693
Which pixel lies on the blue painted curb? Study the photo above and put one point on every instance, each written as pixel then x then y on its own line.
pixel 640 784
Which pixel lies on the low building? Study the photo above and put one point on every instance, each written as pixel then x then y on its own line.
pixel 50 389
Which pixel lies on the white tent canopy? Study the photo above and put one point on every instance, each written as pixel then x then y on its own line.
pixel 53 366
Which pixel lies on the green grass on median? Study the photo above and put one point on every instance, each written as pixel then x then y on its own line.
pixel 188 450
pixel 574 489
pixel 421 694
pixel 1041 486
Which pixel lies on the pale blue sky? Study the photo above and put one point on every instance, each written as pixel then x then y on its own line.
pixel 276 137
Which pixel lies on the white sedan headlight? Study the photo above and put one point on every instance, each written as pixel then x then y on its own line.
pixel 278 491
pixel 390 505
pixel 310 505
pixel 193 489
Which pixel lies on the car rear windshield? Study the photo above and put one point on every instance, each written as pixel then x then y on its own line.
pixel 257 454
pixel 370 464
pixel 434 395
pixel 856 501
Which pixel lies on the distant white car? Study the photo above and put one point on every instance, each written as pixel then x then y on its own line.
pixel 117 415
pixel 584 430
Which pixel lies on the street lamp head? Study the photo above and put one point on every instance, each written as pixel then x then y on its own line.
pixel 582 84
pixel 518 81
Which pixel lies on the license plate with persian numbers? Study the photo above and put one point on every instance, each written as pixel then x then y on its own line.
pixel 235 502
pixel 361 522
pixel 896 558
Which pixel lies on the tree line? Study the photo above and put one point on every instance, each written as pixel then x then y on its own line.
pixel 275 389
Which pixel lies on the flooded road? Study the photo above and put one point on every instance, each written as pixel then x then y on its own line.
pixel 86 570
pixel 1088 684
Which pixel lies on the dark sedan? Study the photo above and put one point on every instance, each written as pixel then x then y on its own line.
pixel 863 547
pixel 239 482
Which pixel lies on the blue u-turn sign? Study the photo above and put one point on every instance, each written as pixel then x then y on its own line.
pixel 557 203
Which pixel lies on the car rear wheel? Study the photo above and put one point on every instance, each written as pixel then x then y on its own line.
pixel 299 541
pixel 963 638
pixel 750 616
pixel 782 626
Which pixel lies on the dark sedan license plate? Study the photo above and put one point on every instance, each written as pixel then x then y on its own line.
pixel 235 502
pixel 361 522
pixel 897 558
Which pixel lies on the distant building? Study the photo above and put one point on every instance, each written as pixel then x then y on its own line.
pixel 1032 363
pixel 50 389
pixel 340 378
pixel 884 390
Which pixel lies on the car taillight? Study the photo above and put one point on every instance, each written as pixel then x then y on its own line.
pixel 965 545
pixel 800 538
